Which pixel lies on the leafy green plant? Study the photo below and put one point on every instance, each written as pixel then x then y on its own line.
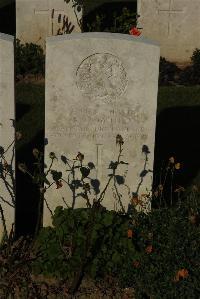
pixel 72 247
pixel 67 248
pixel 186 76
pixel 169 263
pixel 190 75
pixel 120 23
pixel 168 72
pixel 196 62
pixel 29 59
pixel 155 253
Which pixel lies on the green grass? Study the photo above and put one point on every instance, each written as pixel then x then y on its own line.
pixel 178 96
pixel 30 105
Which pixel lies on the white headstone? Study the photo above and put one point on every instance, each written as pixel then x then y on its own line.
pixel 174 24
pixel 37 19
pixel 99 85
pixel 7 115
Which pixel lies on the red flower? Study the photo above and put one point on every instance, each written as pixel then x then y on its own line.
pixel 149 249
pixel 130 233
pixel 134 31
pixel 136 264
pixel 182 273
pixel 59 184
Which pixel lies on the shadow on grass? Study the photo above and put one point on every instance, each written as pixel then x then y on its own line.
pixel 177 135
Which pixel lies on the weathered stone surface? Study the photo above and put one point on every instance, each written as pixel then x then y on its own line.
pixel 7 116
pixel 174 24
pixel 37 19
pixel 99 85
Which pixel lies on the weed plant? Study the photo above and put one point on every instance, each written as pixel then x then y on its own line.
pixel 155 253
pixel 30 59
pixel 170 74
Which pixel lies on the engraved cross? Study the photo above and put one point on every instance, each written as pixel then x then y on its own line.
pixel 99 150
pixel 170 12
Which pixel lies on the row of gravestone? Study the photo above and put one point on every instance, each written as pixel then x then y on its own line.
pixel 165 21
pixel 98 86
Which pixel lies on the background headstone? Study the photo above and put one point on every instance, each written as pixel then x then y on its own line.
pixel 99 85
pixel 7 116
pixel 37 19
pixel 174 24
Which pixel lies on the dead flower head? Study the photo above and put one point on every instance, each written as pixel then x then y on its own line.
pixel 182 273
pixel 80 157
pixel 18 135
pixel 22 167
pixel 136 264
pixel 135 200
pixel 36 152
pixel 130 233
pixel 149 249
pixel 195 188
pixel 171 160
pixel 5 165
pixel 177 166
pixel 119 140
pixel 156 193
pixel 52 155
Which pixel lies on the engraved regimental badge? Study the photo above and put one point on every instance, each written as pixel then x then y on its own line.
pixel 101 76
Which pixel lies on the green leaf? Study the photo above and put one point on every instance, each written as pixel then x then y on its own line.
pixel 107 220
pixel 116 257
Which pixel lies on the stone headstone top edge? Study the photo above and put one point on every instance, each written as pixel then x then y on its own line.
pixel 7 37
pixel 103 35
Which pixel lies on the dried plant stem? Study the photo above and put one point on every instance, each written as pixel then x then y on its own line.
pixel 101 197
pixel 39 214
pixel 171 187
pixel 4 222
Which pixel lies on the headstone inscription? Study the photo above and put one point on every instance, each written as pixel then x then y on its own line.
pixel 37 19
pixel 174 24
pixel 99 85
pixel 7 115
